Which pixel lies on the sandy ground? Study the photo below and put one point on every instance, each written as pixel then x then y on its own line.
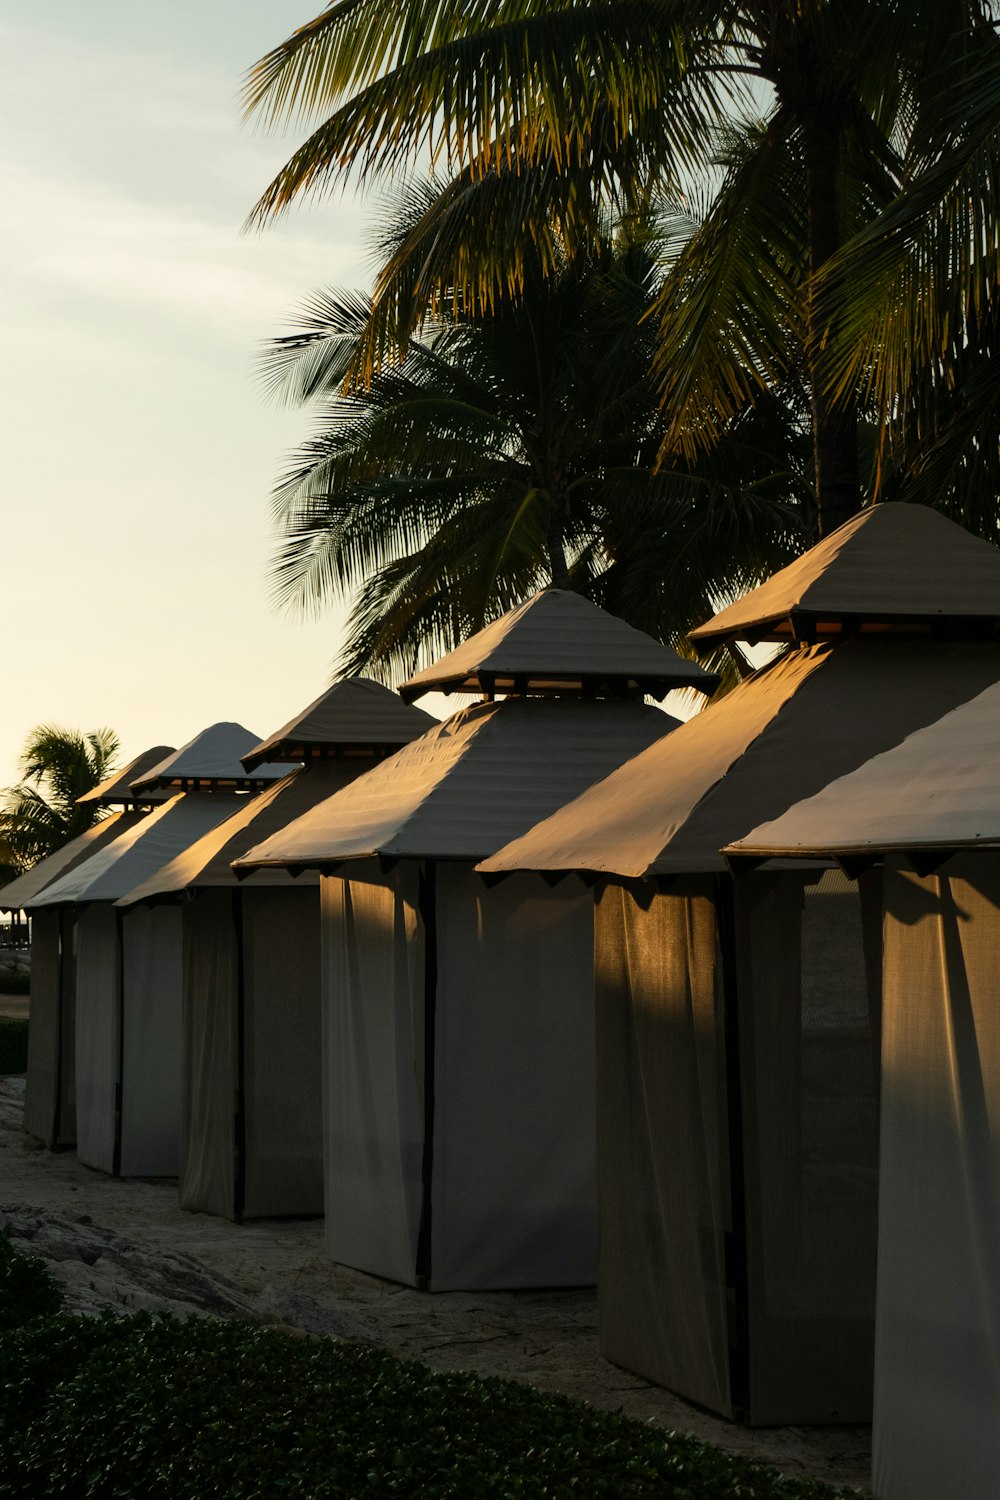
pixel 126 1245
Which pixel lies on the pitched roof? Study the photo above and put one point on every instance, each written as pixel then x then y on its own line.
pixel 208 861
pixel 117 788
pixel 355 714
pixel 558 641
pixel 939 789
pixel 809 716
pixel 210 759
pixel 468 785
pixel 146 845
pixel 20 892
pixel 892 564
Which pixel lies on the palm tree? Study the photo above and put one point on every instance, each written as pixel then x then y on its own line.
pixel 614 100
pixel 57 766
pixel 917 295
pixel 511 447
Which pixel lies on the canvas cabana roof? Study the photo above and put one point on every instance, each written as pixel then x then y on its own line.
pixel 143 848
pixel 558 642
pixel 939 789
pixel 467 785
pixel 780 736
pixel 892 566
pixel 117 789
pixel 210 760
pixel 208 861
pixel 22 891
pixel 355 716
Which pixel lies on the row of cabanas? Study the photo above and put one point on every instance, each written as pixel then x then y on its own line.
pixel 706 1133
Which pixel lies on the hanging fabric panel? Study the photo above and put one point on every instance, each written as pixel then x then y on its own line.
pixel 98 1000
pixel 152 979
pixel 42 1083
pixel 208 1031
pixel 65 1121
pixel 810 1144
pixel 662 1155
pixel 283 1081
pixel 372 954
pixel 515 1194
pixel 937 1361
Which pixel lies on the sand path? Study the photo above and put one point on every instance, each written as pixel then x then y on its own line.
pixel 126 1245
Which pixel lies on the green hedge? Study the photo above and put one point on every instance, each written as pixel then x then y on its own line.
pixel 15 982
pixel 153 1407
pixel 13 1045
pixel 27 1290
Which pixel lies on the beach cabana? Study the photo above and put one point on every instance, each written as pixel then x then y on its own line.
pixel 930 809
pixel 738 1023
pixel 251 1133
pixel 50 1085
pixel 458 1021
pixel 128 965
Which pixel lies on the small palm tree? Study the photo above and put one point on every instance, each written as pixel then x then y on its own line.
pixel 57 766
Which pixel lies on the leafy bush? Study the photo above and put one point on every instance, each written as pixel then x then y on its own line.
pixel 13 1045
pixel 15 981
pixel 118 1407
pixel 27 1290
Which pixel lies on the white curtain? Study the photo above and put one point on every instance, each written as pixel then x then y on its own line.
pixel 152 973
pixel 283 1082
pixel 209 1061
pixel 514 1164
pixel 663 1183
pixel 808 1048
pixel 98 1032
pixel 42 1083
pixel 937 1362
pixel 372 953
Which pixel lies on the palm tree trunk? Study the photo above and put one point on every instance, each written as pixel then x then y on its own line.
pixel 558 510
pixel 558 569
pixel 834 426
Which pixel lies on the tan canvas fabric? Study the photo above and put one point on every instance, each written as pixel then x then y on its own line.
pixel 355 713
pixel 937 1366
pixel 373 1068
pixel 503 1194
pixel 209 1065
pixel 98 1035
pixel 939 787
pixel 212 757
pixel 662 1142
pixel 790 1337
pixel 468 785
pixel 147 844
pixel 21 893
pixel 283 1083
pixel 50 1091
pixel 150 1073
pixel 808 1067
pixel 117 788
pixel 514 1199
pixel 890 562
pixel 41 1095
pixel 208 860
pixel 558 637
pixel 788 731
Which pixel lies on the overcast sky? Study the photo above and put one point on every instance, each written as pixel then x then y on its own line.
pixel 138 454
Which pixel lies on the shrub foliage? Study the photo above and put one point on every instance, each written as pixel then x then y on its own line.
pixel 116 1407
pixel 13 1045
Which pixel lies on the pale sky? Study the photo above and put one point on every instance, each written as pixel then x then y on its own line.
pixel 138 454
